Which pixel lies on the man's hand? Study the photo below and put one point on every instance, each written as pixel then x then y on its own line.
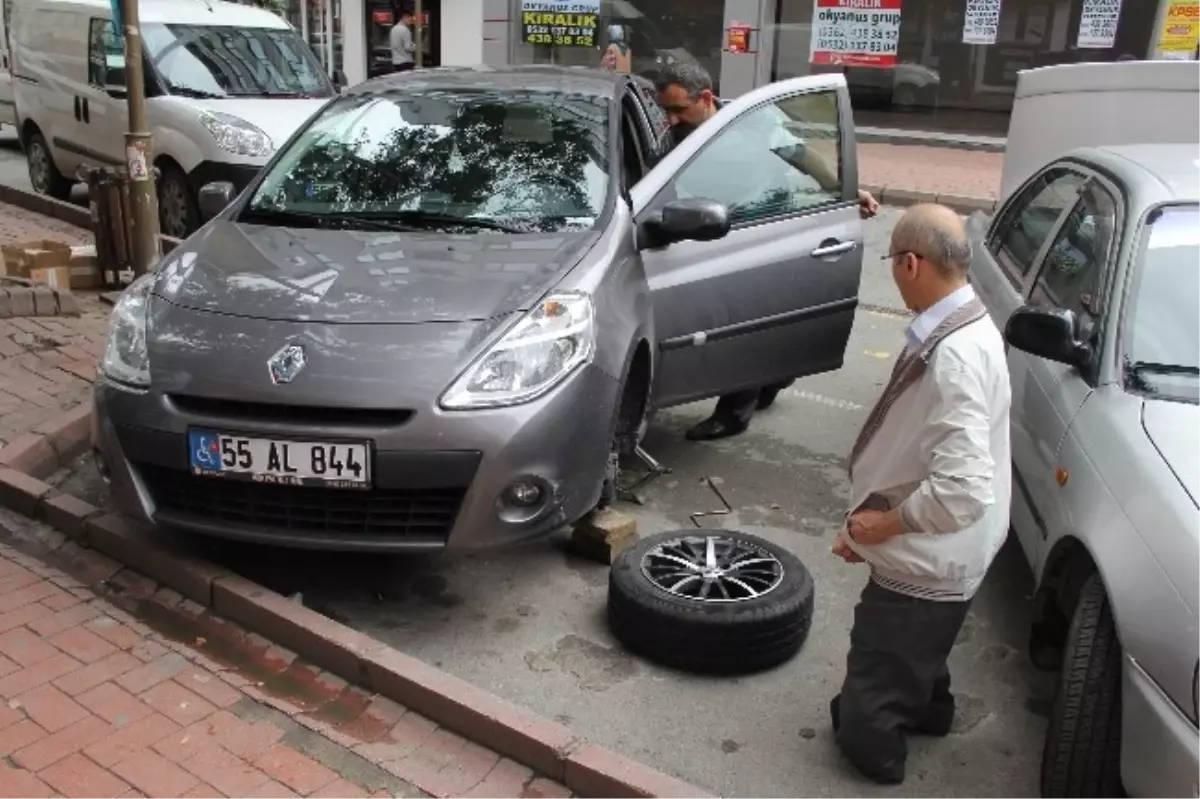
pixel 868 206
pixel 872 527
pixel 843 550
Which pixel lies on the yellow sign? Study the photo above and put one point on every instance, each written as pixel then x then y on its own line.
pixel 1180 34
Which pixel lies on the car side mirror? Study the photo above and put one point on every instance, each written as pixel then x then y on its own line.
pixel 686 220
pixel 215 197
pixel 1052 334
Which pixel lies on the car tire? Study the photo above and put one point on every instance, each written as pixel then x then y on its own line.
pixel 1082 756
pixel 178 212
pixel 662 621
pixel 43 174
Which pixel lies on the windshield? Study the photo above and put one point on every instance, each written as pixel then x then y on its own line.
pixel 516 160
pixel 1164 343
pixel 224 61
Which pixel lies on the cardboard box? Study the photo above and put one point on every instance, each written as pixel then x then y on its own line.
pixel 56 277
pixel 85 269
pixel 21 259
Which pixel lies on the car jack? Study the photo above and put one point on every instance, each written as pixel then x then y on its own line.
pixel 654 470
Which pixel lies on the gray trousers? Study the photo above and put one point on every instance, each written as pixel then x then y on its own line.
pixel 897 679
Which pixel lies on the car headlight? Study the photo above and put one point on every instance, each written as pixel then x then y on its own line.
pixel 545 346
pixel 235 135
pixel 126 359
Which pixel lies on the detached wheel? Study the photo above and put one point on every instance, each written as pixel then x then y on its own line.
pixel 1083 744
pixel 713 601
pixel 43 174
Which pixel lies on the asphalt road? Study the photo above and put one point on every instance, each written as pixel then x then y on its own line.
pixel 528 623
pixel 14 171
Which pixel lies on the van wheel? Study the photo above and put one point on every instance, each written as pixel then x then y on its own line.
pixel 1082 756
pixel 178 214
pixel 43 174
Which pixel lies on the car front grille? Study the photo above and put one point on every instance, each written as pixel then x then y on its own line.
pixel 304 511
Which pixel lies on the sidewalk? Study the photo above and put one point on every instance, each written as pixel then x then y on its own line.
pixel 930 170
pixel 98 704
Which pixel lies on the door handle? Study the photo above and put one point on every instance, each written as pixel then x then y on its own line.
pixel 833 247
pixel 87 118
pixel 78 113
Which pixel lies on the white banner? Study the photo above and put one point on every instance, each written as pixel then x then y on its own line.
pixel 981 21
pixel 1098 23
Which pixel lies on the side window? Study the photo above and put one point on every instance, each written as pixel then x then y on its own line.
pixel 779 159
pixel 632 156
pixel 1028 220
pixel 1072 274
pixel 106 56
pixel 659 124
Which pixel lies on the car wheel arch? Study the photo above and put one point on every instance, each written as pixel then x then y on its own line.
pixel 633 404
pixel 1065 570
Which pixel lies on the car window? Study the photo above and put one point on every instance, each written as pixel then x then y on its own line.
pixel 779 159
pixel 106 56
pixel 659 124
pixel 1071 275
pixel 521 159
pixel 1027 221
pixel 633 164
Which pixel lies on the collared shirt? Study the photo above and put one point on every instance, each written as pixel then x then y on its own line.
pixel 922 327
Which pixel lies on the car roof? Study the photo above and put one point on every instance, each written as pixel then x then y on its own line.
pixel 195 12
pixel 1157 173
pixel 564 80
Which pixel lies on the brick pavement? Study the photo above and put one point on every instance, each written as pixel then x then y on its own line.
pixel 17 225
pixel 93 702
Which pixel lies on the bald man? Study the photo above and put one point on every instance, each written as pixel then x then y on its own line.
pixel 930 487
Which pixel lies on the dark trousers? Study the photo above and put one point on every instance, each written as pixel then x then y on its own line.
pixel 402 67
pixel 897 679
pixel 740 405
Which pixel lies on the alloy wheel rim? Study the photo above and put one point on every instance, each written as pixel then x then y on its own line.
pixel 174 210
pixel 712 569
pixel 39 173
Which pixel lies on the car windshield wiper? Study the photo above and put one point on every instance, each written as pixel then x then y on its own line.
pixel 1163 368
pixel 290 218
pixel 433 218
pixel 188 91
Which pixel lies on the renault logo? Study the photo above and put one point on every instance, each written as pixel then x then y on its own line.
pixel 287 363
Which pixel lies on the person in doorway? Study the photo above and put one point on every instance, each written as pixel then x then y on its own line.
pixel 401 40
pixel 930 489
pixel 685 92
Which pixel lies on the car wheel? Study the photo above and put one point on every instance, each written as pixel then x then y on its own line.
pixel 178 214
pixel 43 174
pixel 712 601
pixel 904 95
pixel 1083 744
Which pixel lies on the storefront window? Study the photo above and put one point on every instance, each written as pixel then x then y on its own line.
pixel 320 24
pixel 643 34
pixel 928 77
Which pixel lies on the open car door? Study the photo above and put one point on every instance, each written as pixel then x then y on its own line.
pixel 775 298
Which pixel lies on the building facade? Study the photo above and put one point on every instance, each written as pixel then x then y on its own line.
pixel 939 65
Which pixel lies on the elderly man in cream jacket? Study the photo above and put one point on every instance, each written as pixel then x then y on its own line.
pixel 930 488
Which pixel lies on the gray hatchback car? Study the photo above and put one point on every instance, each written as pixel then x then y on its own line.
pixel 449 302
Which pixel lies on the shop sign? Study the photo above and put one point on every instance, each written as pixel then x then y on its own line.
pixel 737 38
pixel 862 33
pixel 560 23
pixel 1098 24
pixel 981 21
pixel 1180 35
pixel 382 17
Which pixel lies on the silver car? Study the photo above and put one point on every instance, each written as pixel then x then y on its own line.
pixel 450 301
pixel 1095 266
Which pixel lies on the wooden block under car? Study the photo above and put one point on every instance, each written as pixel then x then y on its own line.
pixel 22 258
pixel 603 534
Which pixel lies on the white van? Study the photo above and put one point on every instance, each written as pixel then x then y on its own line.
pixel 8 105
pixel 226 85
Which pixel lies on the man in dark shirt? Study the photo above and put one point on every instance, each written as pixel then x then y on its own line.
pixel 685 93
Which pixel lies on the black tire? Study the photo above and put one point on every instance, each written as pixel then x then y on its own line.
pixel 178 212
pixel 43 174
pixel 709 637
pixel 1082 756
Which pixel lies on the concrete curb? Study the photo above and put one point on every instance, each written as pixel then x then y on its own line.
pixel 964 204
pixel 485 719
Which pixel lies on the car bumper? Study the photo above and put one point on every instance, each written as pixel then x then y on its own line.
pixel 423 498
pixel 1160 747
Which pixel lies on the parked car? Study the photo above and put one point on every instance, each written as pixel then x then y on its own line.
pixel 443 308
pixel 1093 264
pixel 226 84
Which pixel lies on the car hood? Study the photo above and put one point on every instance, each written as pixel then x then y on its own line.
pixel 373 277
pixel 279 118
pixel 1173 428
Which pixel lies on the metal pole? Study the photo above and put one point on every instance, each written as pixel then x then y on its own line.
pixel 419 36
pixel 139 153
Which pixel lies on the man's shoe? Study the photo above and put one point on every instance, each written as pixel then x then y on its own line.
pixel 714 428
pixel 939 719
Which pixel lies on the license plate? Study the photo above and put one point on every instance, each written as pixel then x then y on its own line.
pixel 269 460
